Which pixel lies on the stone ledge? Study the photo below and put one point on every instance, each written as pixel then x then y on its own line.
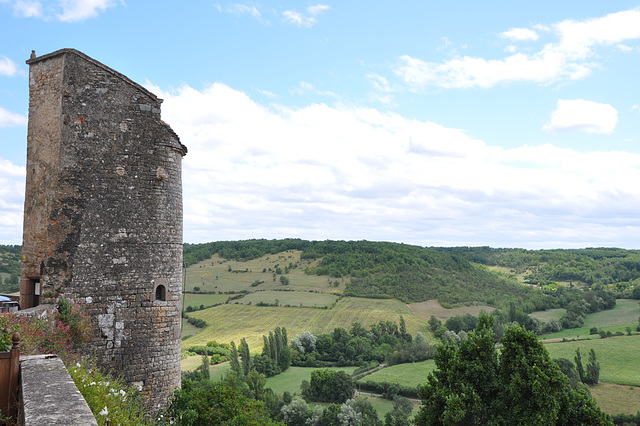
pixel 49 395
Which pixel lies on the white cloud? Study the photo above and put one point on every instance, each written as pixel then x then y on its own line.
pixel 302 20
pixel 571 57
pixel 28 9
pixel 62 10
pixel 11 119
pixel 79 10
pixel 12 180
pixel 520 34
pixel 583 116
pixel 242 9
pixel 350 173
pixel 7 66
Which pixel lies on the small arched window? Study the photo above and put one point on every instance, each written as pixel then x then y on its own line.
pixel 161 293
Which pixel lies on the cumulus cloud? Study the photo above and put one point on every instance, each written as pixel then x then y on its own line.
pixel 305 20
pixel 12 180
pixel 28 9
pixel 570 57
pixel 11 119
pixel 520 34
pixel 7 66
pixel 79 10
pixel 349 172
pixel 241 9
pixel 582 116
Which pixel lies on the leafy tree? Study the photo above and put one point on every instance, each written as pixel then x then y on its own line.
pixel 401 412
pixel 579 367
pixel 348 415
pixel 569 370
pixel 235 360
pixel 296 412
pixel 306 342
pixel 330 386
pixel 592 376
pixel 209 403
pixel 246 357
pixel 473 385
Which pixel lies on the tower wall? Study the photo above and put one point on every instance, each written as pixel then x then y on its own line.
pixel 103 214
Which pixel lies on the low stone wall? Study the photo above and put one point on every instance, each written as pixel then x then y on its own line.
pixel 48 394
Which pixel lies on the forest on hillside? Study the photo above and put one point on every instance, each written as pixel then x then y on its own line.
pixel 459 275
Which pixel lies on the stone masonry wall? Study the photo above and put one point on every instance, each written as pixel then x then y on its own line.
pixel 113 226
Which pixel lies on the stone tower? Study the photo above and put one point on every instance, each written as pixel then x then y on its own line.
pixel 103 214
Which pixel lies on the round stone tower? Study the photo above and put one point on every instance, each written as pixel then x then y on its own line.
pixel 103 214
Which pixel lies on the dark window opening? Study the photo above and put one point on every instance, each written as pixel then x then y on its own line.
pixel 32 294
pixel 161 293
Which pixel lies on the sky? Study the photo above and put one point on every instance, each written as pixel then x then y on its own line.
pixel 458 123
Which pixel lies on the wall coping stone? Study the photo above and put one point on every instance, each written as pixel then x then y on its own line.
pixel 49 395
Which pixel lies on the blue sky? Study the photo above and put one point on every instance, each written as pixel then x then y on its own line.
pixel 509 124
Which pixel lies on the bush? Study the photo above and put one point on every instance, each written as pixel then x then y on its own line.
pixel 112 401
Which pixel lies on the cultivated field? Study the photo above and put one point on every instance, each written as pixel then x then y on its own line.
pixel 619 357
pixel 617 399
pixel 432 307
pixel 221 275
pixel 624 315
pixel 290 380
pixel 409 375
pixel 231 322
pixel 549 314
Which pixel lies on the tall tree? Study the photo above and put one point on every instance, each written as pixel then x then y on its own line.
pixel 473 385
pixel 235 360
pixel 592 376
pixel 579 367
pixel 246 356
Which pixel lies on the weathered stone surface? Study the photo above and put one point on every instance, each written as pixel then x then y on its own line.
pixel 48 394
pixel 103 213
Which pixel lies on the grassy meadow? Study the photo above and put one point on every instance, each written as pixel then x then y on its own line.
pixel 231 322
pixel 619 357
pixel 409 375
pixel 290 380
pixel 624 315
pixel 427 308
pixel 217 275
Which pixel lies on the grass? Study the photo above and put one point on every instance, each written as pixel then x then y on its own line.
pixel 231 322
pixel 549 314
pixel 290 380
pixel 619 357
pixel 624 315
pixel 217 274
pixel 188 329
pixel 292 298
pixel 427 308
pixel 616 399
pixel 383 406
pixel 195 299
pixel 409 375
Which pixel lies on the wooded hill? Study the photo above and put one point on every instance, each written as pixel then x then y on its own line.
pixel 454 276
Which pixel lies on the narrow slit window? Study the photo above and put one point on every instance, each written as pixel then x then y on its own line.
pixel 161 293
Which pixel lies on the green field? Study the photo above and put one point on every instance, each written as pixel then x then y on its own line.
pixel 624 315
pixel 195 299
pixel 217 274
pixel 549 314
pixel 383 406
pixel 291 298
pixel 619 357
pixel 290 380
pixel 188 329
pixel 231 322
pixel 617 399
pixel 409 375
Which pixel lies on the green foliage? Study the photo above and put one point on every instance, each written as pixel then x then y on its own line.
pixel 209 403
pixel 111 400
pixel 474 385
pixel 330 386
pixel 592 376
pixel 5 334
